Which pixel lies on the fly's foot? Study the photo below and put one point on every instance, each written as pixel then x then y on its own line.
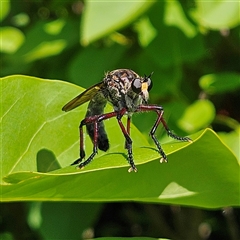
pixel 162 160
pixel 81 166
pixel 77 161
pixel 184 139
pixel 133 168
pixel 187 139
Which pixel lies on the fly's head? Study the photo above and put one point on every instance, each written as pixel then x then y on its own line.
pixel 142 86
pixel 126 89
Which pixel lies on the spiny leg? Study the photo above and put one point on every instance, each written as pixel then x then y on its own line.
pixel 172 135
pixel 152 133
pixel 159 111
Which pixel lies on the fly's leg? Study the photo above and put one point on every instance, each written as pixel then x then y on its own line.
pixel 82 151
pixel 172 135
pixel 128 130
pixel 159 111
pixel 96 119
pixel 90 158
pixel 126 133
pixel 152 133
pixel 128 143
pixel 87 120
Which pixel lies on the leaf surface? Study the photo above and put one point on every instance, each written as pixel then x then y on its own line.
pixel 39 142
pixel 116 15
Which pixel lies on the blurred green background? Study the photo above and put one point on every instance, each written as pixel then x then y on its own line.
pixel 193 49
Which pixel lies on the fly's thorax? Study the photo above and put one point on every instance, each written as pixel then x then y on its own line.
pixel 96 105
pixel 132 103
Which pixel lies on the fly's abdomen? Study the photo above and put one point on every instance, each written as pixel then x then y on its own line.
pixel 96 107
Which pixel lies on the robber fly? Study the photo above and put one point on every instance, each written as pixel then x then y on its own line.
pixel 128 94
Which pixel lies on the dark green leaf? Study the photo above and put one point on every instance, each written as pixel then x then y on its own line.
pixel 220 82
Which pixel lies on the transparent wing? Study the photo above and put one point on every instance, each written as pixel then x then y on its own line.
pixel 83 97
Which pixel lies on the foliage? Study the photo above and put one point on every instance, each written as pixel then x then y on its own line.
pixel 48 154
pixel 193 49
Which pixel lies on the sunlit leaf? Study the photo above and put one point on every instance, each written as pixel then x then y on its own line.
pixel 146 32
pixel 197 116
pixel 101 18
pixel 34 129
pixel 21 19
pixel 174 16
pixel 11 39
pixel 55 27
pixel 217 15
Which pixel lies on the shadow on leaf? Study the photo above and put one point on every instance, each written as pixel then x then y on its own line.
pixel 46 161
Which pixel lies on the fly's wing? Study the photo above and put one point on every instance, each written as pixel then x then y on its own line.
pixel 83 97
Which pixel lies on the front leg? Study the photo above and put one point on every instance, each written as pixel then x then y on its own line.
pixel 159 111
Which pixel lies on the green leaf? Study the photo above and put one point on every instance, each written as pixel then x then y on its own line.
pixel 11 39
pixel 220 82
pixel 34 129
pixel 174 16
pixel 46 49
pixel 198 115
pixel 21 19
pixel 217 15
pixel 146 31
pixel 55 27
pixel 5 8
pixel 232 140
pixel 101 18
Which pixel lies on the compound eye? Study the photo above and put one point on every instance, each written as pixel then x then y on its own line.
pixel 137 85
pixel 149 82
